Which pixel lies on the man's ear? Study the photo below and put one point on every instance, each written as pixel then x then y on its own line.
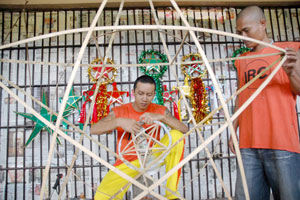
pixel 263 23
pixel 132 94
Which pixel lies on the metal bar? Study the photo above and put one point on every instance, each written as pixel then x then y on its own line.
pixel 27 68
pixel 1 90
pixel 98 164
pixel 8 116
pixel 271 22
pixel 16 130
pixel 32 102
pixel 278 24
pixel 222 72
pixel 65 81
pixel 40 81
pixel 189 138
pixel 206 160
pixel 228 150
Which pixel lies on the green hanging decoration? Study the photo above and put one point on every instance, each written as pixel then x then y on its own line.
pixel 72 103
pixel 155 71
pixel 39 124
pixel 238 52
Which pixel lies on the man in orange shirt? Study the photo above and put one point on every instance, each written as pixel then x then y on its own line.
pixel 268 129
pixel 127 117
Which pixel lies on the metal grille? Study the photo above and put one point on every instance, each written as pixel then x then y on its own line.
pixel 21 168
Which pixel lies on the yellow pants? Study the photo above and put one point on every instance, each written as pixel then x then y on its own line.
pixel 112 182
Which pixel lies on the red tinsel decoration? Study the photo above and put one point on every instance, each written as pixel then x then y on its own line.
pixel 199 99
pixel 100 109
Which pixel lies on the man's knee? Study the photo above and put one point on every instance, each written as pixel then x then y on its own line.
pixel 176 135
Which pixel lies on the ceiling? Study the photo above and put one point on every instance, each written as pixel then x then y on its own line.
pixel 65 4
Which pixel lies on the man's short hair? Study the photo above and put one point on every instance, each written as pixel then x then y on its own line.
pixel 144 79
pixel 252 11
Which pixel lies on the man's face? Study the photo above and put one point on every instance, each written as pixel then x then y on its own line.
pixel 144 94
pixel 250 28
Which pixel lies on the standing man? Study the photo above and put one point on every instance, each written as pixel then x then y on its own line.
pixel 268 129
pixel 128 117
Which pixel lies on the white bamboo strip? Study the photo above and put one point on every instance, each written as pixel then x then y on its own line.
pixel 202 167
pixel 217 109
pixel 215 84
pixel 215 134
pixel 207 117
pixel 139 27
pixel 152 131
pixel 97 45
pixel 140 133
pixel 73 126
pixel 189 110
pixel 174 73
pixel 155 140
pixel 64 101
pixel 241 89
pixel 94 95
pixel 130 149
pixel 221 98
pixel 137 65
pixel 200 124
pixel 179 49
pixel 194 122
pixel 76 129
pixel 81 147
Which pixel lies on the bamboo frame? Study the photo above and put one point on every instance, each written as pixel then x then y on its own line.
pixel 182 93
pixel 73 126
pixel 136 65
pixel 115 28
pixel 93 99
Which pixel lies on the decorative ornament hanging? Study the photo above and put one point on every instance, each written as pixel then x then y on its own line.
pixel 186 91
pixel 238 52
pixel 95 72
pixel 72 103
pixel 199 99
pixel 167 95
pixel 195 91
pixel 100 109
pixel 115 96
pixel 39 125
pixel 155 71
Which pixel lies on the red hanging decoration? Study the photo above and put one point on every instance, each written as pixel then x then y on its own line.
pixel 195 91
pixel 100 109
pixel 199 99
pixel 115 95
pixel 167 97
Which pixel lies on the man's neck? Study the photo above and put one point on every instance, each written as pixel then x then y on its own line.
pixel 260 46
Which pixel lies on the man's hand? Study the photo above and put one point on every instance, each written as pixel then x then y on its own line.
pixel 129 125
pixel 292 68
pixel 230 144
pixel 149 118
pixel 292 62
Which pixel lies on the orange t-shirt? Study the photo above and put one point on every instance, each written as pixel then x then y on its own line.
pixel 270 121
pixel 127 111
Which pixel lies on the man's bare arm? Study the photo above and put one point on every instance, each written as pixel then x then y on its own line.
pixel 292 68
pixel 111 122
pixel 167 118
pixel 174 123
pixel 105 125
pixel 235 122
